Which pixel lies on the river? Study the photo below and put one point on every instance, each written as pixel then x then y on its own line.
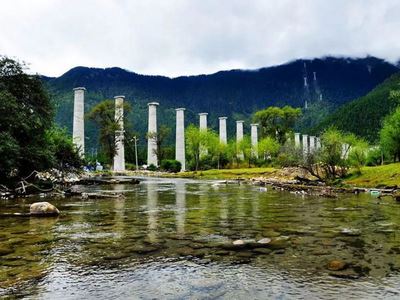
pixel 166 239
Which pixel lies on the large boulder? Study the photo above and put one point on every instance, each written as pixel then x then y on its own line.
pixel 43 209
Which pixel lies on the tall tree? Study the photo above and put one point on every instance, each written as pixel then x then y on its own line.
pixel 25 115
pixel 103 114
pixel 276 122
pixel 390 135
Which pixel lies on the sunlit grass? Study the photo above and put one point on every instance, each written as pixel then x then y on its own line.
pixel 228 173
pixel 379 176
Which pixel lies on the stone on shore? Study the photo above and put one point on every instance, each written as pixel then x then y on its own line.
pixel 42 209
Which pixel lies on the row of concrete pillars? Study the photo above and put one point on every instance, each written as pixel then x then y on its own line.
pixel 119 158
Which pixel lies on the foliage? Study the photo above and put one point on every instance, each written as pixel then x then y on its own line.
pixel 390 135
pixel 152 168
pixel 25 115
pixel 171 165
pixel 364 115
pixel 103 114
pixel 268 148
pixel 331 162
pixel 244 150
pixel 277 122
pixel 64 151
pixel 358 153
pixel 375 156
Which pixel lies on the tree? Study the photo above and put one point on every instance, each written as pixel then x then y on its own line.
pixel 333 160
pixel 390 135
pixel 244 149
pixel 268 148
pixel 65 153
pixel 26 114
pixel 202 146
pixel 193 144
pixel 103 114
pixel 276 122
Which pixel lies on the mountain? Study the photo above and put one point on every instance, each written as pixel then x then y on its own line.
pixel 236 94
pixel 364 115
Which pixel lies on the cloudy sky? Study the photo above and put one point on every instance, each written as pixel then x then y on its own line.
pixel 182 37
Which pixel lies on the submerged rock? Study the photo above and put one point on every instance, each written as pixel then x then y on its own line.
pixel 42 209
pixel 4 250
pixel 336 265
pixel 264 241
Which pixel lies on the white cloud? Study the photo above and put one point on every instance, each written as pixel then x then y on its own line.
pixel 181 37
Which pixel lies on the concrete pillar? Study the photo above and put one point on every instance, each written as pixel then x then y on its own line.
pixel 119 157
pixel 312 144
pixel 203 121
pixel 254 139
pixel 239 131
pixel 180 138
pixel 152 141
pixel 78 127
pixel 223 138
pixel 318 143
pixel 297 140
pixel 345 151
pixel 239 136
pixel 305 144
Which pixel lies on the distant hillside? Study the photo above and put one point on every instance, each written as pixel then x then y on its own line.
pixel 364 115
pixel 235 94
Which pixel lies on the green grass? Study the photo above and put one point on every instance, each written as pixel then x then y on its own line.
pixel 379 176
pixel 228 173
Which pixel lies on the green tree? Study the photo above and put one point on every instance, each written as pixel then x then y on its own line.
pixel 65 153
pixel 201 146
pixel 268 148
pixel 103 114
pixel 276 122
pixel 26 114
pixel 244 149
pixel 390 135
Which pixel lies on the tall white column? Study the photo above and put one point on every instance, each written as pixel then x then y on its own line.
pixel 239 131
pixel 78 127
pixel 239 136
pixel 152 141
pixel 318 143
pixel 312 144
pixel 180 138
pixel 203 121
pixel 254 139
pixel 305 144
pixel 223 138
pixel 119 157
pixel 297 140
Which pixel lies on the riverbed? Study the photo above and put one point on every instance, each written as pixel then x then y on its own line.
pixel 167 239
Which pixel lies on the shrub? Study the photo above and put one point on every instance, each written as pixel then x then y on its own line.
pixel 171 165
pixel 152 168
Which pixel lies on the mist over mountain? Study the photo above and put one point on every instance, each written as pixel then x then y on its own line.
pixel 236 94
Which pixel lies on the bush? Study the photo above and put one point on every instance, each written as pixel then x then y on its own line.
pixel 171 165
pixel 152 168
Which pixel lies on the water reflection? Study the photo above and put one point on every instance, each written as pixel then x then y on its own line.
pixel 180 212
pixel 173 234
pixel 152 210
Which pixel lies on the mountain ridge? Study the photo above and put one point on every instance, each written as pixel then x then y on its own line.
pixel 235 93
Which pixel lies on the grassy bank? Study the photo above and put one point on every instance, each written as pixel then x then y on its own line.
pixel 246 173
pixel 379 176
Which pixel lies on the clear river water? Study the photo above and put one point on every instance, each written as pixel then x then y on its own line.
pixel 172 239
